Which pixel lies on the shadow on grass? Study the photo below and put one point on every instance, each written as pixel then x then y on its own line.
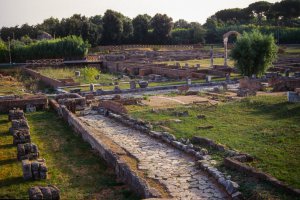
pixel 7 161
pixel 283 110
pixel 6 146
pixel 11 181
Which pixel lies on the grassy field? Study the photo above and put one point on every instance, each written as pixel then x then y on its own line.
pixel 266 127
pixel 11 87
pixel 87 74
pixel 204 63
pixel 73 166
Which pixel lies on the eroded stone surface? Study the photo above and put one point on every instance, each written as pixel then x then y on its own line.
pixel 176 170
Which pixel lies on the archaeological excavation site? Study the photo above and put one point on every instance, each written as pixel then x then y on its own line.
pixel 111 107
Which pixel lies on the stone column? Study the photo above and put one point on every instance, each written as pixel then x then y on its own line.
pixel 211 56
pixel 225 51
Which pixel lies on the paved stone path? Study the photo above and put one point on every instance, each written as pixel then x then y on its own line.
pixel 171 167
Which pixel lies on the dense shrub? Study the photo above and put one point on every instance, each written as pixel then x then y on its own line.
pixel 4 57
pixel 67 47
pixel 254 52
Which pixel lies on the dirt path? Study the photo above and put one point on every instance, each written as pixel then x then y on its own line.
pixel 171 167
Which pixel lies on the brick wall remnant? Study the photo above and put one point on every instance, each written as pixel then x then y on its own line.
pixel 27 151
pixel 39 192
pixel 113 106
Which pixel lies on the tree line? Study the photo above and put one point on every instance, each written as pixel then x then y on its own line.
pixel 113 28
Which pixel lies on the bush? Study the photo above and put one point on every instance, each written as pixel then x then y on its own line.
pixel 68 47
pixel 89 74
pixel 254 52
pixel 4 55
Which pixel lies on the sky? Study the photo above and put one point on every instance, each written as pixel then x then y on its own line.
pixel 18 12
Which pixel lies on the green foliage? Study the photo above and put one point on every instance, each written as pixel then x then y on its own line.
pixel 162 26
pixel 4 54
pixel 89 74
pixel 140 28
pixel 254 52
pixel 67 47
pixel 112 27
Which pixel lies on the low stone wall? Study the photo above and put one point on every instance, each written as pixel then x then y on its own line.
pixel 39 192
pixel 39 101
pixel 123 171
pixel 48 81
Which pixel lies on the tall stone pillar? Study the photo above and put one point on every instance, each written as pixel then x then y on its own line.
pixel 225 51
pixel 211 56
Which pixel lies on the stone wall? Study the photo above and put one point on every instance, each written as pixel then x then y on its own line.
pixel 123 171
pixel 39 101
pixel 49 81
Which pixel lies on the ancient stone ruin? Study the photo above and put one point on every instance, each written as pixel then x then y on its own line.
pixel 21 136
pixel 18 125
pixel 16 114
pixel 39 192
pixel 27 151
pixel 35 170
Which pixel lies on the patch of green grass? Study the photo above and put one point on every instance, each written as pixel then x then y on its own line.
pixel 87 74
pixel 73 167
pixel 266 127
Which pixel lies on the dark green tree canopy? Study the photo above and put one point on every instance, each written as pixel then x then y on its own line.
pixel 181 23
pixel 254 53
pixel 112 27
pixel 140 27
pixel 162 26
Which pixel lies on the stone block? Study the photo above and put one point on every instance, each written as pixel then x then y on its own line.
pixel 26 167
pixel 38 192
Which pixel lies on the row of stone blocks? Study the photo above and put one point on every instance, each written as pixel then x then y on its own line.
pixel 27 152
pixel 38 192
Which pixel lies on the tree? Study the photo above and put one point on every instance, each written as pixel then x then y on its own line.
pixel 232 15
pixel 162 26
pixel 287 9
pixel 254 53
pixel 127 33
pixel 259 9
pixel 50 25
pixel 112 27
pixel 197 33
pixel 181 23
pixel 140 28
